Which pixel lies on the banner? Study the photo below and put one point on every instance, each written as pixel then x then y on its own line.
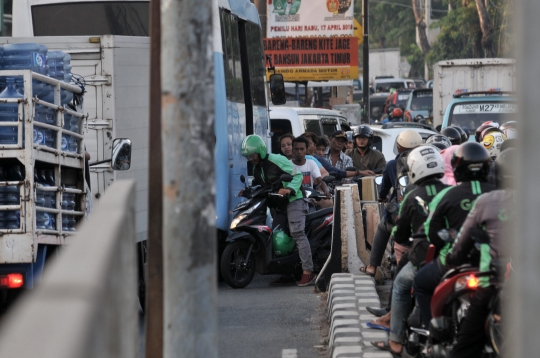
pixel 314 59
pixel 308 18
pixel 312 40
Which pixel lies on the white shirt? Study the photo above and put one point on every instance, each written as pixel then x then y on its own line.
pixel 310 171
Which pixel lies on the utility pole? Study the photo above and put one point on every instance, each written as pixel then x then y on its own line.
pixel 154 279
pixel 189 233
pixel 520 313
pixel 365 25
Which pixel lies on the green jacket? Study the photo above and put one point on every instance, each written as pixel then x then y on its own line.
pixel 272 167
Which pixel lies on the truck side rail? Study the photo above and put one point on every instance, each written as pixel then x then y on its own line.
pixel 86 303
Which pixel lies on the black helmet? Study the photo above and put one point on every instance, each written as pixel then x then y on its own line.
pixel 503 167
pixel 418 118
pixel 464 136
pixel 452 134
pixel 439 145
pixel 439 138
pixel 471 161
pixel 363 131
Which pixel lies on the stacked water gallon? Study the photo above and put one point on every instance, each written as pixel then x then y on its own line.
pixel 55 64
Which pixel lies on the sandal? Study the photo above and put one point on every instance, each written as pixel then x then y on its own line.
pixel 364 270
pixel 385 346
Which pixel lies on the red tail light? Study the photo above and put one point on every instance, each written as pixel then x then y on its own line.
pixel 472 282
pixel 12 280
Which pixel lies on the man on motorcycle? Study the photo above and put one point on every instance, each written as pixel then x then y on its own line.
pixel 365 159
pixel 492 212
pixel 406 141
pixel 426 167
pixel 268 169
pixel 448 210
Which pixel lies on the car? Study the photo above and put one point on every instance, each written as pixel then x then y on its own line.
pixel 297 120
pixel 385 136
pixel 377 103
pixel 385 84
pixel 471 109
pixel 420 102
pixel 429 84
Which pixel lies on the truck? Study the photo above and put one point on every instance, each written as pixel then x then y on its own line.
pixel 459 77
pixel 385 62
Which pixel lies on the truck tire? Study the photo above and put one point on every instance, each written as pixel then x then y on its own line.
pixel 235 270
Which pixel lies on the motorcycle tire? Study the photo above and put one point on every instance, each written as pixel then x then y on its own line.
pixel 235 271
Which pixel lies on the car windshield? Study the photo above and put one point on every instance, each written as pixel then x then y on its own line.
pixel 472 115
pixel 422 100
pixel 402 98
pixel 385 87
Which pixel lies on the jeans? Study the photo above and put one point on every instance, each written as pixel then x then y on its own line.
pixel 401 302
pixel 426 281
pixel 296 215
pixel 380 240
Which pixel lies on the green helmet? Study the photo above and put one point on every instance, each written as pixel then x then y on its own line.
pixel 283 244
pixel 253 144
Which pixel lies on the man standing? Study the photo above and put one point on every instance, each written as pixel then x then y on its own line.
pixel 365 159
pixel 310 173
pixel 268 169
pixel 335 154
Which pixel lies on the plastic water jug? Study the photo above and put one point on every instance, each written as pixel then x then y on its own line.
pixel 9 113
pixel 27 56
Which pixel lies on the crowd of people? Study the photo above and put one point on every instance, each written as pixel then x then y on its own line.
pixel 462 183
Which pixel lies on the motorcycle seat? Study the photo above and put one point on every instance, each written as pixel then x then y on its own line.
pixel 319 213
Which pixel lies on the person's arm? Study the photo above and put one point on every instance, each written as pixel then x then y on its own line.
pixel 403 228
pixel 436 220
pixel 386 184
pixel 293 187
pixel 464 243
pixel 381 163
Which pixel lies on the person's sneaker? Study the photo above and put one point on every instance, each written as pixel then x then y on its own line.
pixel 283 280
pixel 307 279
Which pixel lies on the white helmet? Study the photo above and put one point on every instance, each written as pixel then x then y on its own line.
pixel 492 141
pixel 424 161
pixel 409 139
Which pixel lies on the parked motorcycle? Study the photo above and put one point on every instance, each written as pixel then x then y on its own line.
pixel 253 246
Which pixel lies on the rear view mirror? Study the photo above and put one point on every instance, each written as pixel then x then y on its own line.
pixel 277 89
pixel 243 178
pixel 121 154
pixel 447 235
pixel 378 180
pixel 286 177
pixel 328 179
pixel 403 181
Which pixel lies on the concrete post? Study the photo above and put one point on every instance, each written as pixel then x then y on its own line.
pixel 189 233
pixel 521 314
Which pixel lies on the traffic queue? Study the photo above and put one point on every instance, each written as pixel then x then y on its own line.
pixel 446 200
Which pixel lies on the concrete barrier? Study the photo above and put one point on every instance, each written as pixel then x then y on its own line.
pixel 86 302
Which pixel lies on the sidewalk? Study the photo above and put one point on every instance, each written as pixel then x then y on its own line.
pixel 348 296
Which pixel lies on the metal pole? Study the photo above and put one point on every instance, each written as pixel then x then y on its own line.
pixel 189 233
pixel 365 117
pixel 521 314
pixel 154 279
pixel 1 17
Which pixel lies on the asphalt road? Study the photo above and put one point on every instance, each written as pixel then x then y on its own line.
pixel 267 321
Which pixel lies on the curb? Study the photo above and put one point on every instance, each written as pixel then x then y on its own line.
pixel 348 296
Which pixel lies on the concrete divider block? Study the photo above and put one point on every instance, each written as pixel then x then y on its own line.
pixel 369 334
pixel 379 354
pixel 340 323
pixel 346 352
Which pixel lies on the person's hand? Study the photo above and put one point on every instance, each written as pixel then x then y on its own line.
pixel 284 192
pixel 366 173
pixel 382 200
pixel 328 195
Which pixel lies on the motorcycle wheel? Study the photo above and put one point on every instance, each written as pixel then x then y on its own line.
pixel 235 270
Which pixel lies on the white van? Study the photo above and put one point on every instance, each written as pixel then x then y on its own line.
pixel 298 120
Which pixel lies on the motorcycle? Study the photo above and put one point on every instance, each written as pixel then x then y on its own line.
pixel 254 246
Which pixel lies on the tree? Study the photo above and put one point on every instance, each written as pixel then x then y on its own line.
pixel 421 26
pixel 486 26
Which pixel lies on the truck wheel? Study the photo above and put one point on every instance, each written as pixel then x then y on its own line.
pixel 235 270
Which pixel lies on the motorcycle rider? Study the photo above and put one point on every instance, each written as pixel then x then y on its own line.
pixel 426 167
pixel 405 141
pixel 448 210
pixel 452 134
pixel 334 154
pixel 365 159
pixel 492 212
pixel 267 170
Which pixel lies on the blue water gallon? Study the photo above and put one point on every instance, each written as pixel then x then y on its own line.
pixel 67 77
pixel 27 56
pixel 55 61
pixel 9 113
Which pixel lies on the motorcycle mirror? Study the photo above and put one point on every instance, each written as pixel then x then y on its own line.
pixel 286 177
pixel 479 236
pixel 445 235
pixel 403 181
pixel 350 169
pixel 243 179
pixel 378 180
pixel 308 193
pixel 277 89
pixel 329 178
pixel 121 154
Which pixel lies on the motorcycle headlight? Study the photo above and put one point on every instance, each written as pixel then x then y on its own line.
pixel 237 220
